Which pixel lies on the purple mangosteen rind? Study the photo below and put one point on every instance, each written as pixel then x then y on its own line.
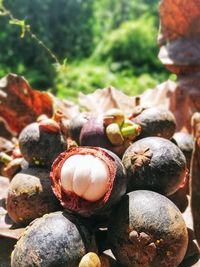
pixel 75 204
pixel 155 163
pixel 41 144
pixel 76 124
pixel 93 133
pixel 147 229
pixel 56 239
pixel 156 121
pixel 185 142
pixel 30 195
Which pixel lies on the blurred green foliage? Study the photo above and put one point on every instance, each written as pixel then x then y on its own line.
pixel 132 45
pixel 86 76
pixel 106 42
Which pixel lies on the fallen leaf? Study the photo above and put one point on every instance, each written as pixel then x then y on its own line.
pixel 20 104
pixel 179 35
pixel 104 99
pixel 68 108
pixel 179 18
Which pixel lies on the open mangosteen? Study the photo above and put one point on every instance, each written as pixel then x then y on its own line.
pixel 155 163
pixel 41 142
pixel 155 121
pixel 56 239
pixel 88 180
pixel 147 230
pixel 111 130
pixel 30 195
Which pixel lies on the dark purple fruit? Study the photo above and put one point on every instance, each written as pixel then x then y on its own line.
pixel 110 130
pixel 40 143
pixel 185 142
pixel 30 196
pixel 147 230
pixel 76 124
pixel 93 133
pixel 56 239
pixel 88 180
pixel 156 121
pixel 155 163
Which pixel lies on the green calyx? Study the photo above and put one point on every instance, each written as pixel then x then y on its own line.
pixel 114 134
pixel 5 158
pixel 114 116
pixel 118 128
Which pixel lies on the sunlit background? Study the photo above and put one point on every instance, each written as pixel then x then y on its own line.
pixel 102 42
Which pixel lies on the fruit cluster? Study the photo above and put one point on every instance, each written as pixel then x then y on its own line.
pixel 110 190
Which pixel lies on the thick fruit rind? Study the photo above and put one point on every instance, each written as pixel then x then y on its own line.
pixel 147 230
pixel 40 147
pixel 116 188
pixel 156 121
pixel 56 239
pixel 30 195
pixel 155 163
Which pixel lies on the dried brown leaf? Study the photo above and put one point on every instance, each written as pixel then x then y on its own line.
pixel 180 35
pixel 68 108
pixel 20 104
pixel 104 99
pixel 179 18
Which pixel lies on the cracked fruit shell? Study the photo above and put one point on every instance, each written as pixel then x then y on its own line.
pixel 88 180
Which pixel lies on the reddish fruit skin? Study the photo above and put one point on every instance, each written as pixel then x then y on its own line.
pixel 116 189
pixel 55 240
pixel 40 146
pixel 147 230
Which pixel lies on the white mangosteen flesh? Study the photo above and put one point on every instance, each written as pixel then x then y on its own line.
pixel 85 175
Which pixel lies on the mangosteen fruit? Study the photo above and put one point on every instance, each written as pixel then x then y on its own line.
pixel 156 121
pixel 56 239
pixel 155 163
pixel 185 142
pixel 90 259
pixel 41 142
pixel 30 195
pixel 88 180
pixel 111 130
pixel 147 230
pixel 76 124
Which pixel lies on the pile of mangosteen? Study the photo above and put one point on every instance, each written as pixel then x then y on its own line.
pixel 100 190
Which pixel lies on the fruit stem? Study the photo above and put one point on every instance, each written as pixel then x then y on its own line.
pixel 5 158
